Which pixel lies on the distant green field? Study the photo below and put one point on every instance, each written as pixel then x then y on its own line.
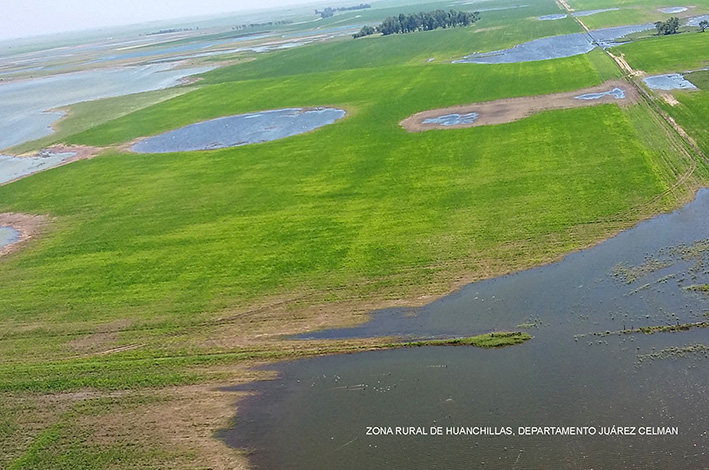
pixel 632 11
pixel 674 53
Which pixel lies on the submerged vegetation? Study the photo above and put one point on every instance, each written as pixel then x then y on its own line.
pixel 421 22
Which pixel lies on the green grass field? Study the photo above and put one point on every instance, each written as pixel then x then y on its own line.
pixel 161 277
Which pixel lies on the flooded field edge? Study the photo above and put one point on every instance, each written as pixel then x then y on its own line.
pixel 256 398
pixel 25 226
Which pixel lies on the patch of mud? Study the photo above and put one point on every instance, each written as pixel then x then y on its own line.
pixel 559 16
pixel 514 109
pixel 670 81
pixel 672 9
pixel 22 227
pixel 14 167
pixel 242 129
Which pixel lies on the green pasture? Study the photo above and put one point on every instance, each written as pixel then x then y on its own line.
pixel 673 53
pixel 633 11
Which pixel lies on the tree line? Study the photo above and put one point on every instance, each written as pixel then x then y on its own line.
pixel 421 22
pixel 329 11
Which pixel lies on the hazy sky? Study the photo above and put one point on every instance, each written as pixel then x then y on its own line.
pixel 20 18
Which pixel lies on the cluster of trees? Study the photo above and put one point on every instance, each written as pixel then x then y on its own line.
pixel 168 31
pixel 328 12
pixel 260 25
pixel 421 22
pixel 670 26
pixel 703 25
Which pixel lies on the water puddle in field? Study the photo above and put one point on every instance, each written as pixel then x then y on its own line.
pixel 694 21
pixel 670 81
pixel 552 17
pixel 616 93
pixel 8 236
pixel 580 14
pixel 25 104
pixel 452 119
pixel 12 168
pixel 672 10
pixel 555 47
pixel 475 408
pixel 243 129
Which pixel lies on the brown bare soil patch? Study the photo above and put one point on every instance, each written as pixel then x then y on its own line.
pixel 513 109
pixel 28 225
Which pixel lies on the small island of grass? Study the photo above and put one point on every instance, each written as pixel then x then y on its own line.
pixel 498 339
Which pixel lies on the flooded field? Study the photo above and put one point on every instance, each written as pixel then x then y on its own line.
pixel 671 10
pixel 588 391
pixel 452 119
pixel 555 47
pixel 12 168
pixel 559 16
pixel 670 81
pixel 512 109
pixel 243 129
pixel 8 235
pixel 27 104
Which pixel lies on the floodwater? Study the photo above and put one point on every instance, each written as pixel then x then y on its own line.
pixel 555 47
pixel 672 9
pixel 25 104
pixel 575 372
pixel 243 129
pixel 696 20
pixel 616 93
pixel 670 81
pixel 452 119
pixel 553 17
pixel 8 236
pixel 12 168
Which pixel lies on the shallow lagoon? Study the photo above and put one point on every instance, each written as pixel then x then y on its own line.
pixel 12 168
pixel 24 104
pixel 243 129
pixel 671 10
pixel 555 47
pixel 316 414
pixel 670 81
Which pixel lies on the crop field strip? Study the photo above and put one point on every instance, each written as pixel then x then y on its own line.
pixel 184 268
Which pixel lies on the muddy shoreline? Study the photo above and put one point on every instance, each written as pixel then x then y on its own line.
pixel 513 109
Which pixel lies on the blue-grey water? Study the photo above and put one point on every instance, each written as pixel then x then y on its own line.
pixel 559 16
pixel 452 119
pixel 8 235
pixel 670 81
pixel 316 414
pixel 671 10
pixel 616 93
pixel 696 20
pixel 12 167
pixel 555 47
pixel 26 105
pixel 243 129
